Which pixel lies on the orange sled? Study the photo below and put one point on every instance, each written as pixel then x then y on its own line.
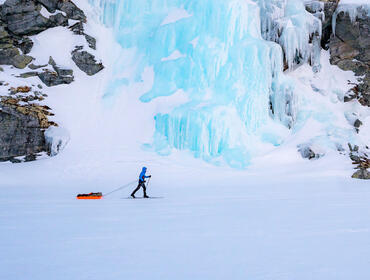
pixel 98 195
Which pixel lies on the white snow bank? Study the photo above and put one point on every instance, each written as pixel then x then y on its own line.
pixel 56 138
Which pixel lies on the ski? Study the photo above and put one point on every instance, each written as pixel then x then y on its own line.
pixel 151 197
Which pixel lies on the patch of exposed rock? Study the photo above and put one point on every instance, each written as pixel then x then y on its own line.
pixel 51 78
pixel 361 174
pixel 362 162
pixel 23 17
pixel 78 29
pixel 22 128
pixel 350 50
pixel 349 46
pixel 66 6
pixel 23 121
pixel 86 62
pixel 310 152
pixel 10 54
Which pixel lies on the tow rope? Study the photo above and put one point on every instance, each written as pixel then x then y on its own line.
pixel 120 188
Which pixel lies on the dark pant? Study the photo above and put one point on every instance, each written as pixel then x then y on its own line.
pixel 141 184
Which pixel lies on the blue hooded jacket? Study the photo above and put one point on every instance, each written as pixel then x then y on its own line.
pixel 142 175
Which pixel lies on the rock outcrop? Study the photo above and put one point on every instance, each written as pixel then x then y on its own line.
pixel 86 62
pixel 347 36
pixel 350 50
pixel 9 52
pixel 361 160
pixel 51 78
pixel 78 29
pixel 309 152
pixel 22 128
pixel 23 121
pixel 23 17
pixel 361 174
pixel 66 6
pixel 56 77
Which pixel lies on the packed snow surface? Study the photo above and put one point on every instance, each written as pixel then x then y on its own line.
pixel 280 223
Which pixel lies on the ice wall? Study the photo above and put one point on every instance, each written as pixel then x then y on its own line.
pixel 287 23
pixel 215 52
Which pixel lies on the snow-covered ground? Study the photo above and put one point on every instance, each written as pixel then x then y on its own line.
pixel 303 222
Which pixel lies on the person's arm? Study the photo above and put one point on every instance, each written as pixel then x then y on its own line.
pixel 148 176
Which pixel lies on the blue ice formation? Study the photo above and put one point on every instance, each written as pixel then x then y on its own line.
pixel 215 52
pixel 287 23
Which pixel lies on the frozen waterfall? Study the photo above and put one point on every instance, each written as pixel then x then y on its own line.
pixel 238 100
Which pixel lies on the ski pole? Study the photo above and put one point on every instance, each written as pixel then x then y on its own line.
pixel 148 181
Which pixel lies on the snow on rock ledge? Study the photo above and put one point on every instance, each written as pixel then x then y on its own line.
pixel 56 139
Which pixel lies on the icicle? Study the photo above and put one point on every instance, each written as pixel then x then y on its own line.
pixel 289 24
pixel 353 10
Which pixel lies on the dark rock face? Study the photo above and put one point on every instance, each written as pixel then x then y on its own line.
pixel 50 5
pixel 58 20
pixel 72 11
pixel 91 41
pixel 329 8
pixel 86 62
pixel 350 50
pixel 22 121
pixel 23 17
pixel 20 134
pixel 60 76
pixel 34 67
pixel 361 174
pixel 308 152
pixel 66 6
pixel 12 56
pixel 51 79
pixel 5 40
pixel 25 44
pixel 357 124
pixel 360 158
pixel 78 29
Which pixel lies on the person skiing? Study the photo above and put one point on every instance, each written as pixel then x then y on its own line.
pixel 142 181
